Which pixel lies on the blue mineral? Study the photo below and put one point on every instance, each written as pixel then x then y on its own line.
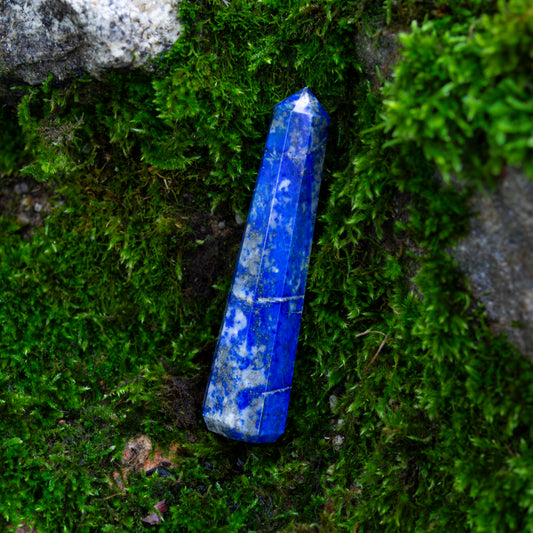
pixel 247 396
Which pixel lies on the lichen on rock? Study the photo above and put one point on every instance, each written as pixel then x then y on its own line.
pixel 66 37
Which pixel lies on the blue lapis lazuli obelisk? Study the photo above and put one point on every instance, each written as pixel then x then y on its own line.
pixel 247 396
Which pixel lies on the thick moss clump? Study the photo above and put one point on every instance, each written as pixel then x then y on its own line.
pixel 463 92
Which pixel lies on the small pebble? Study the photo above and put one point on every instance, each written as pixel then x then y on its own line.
pixel 337 441
pixel 161 471
pixel 21 188
pixel 333 401
pixel 25 202
pixel 221 225
pixel 38 207
pixel 23 219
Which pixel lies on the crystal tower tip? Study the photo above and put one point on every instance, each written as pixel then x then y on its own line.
pixel 304 101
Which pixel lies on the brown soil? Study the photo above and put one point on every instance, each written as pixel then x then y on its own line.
pixel 25 201
pixel 217 239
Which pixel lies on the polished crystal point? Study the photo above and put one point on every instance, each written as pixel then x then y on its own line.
pixel 247 396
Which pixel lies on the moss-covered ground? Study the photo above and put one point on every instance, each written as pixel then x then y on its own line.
pixel 110 307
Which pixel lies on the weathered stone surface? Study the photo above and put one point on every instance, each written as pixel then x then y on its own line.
pixel 378 54
pixel 497 257
pixel 63 37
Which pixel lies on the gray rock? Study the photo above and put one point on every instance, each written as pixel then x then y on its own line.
pixel 378 54
pixel 21 188
pixel 63 37
pixel 497 257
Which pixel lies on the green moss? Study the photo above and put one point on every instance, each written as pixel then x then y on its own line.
pixel 12 142
pixel 432 431
pixel 463 92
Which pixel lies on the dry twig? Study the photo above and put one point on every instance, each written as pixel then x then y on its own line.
pixel 380 346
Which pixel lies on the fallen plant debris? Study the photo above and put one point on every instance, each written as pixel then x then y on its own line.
pixel 139 455
pixel 374 357
pixel 157 517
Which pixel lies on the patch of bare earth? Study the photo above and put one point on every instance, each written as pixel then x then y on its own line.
pixel 25 201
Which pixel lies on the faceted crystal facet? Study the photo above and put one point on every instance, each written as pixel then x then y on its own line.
pixel 247 397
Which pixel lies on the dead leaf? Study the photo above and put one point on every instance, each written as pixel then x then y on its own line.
pixel 139 454
pixel 157 517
